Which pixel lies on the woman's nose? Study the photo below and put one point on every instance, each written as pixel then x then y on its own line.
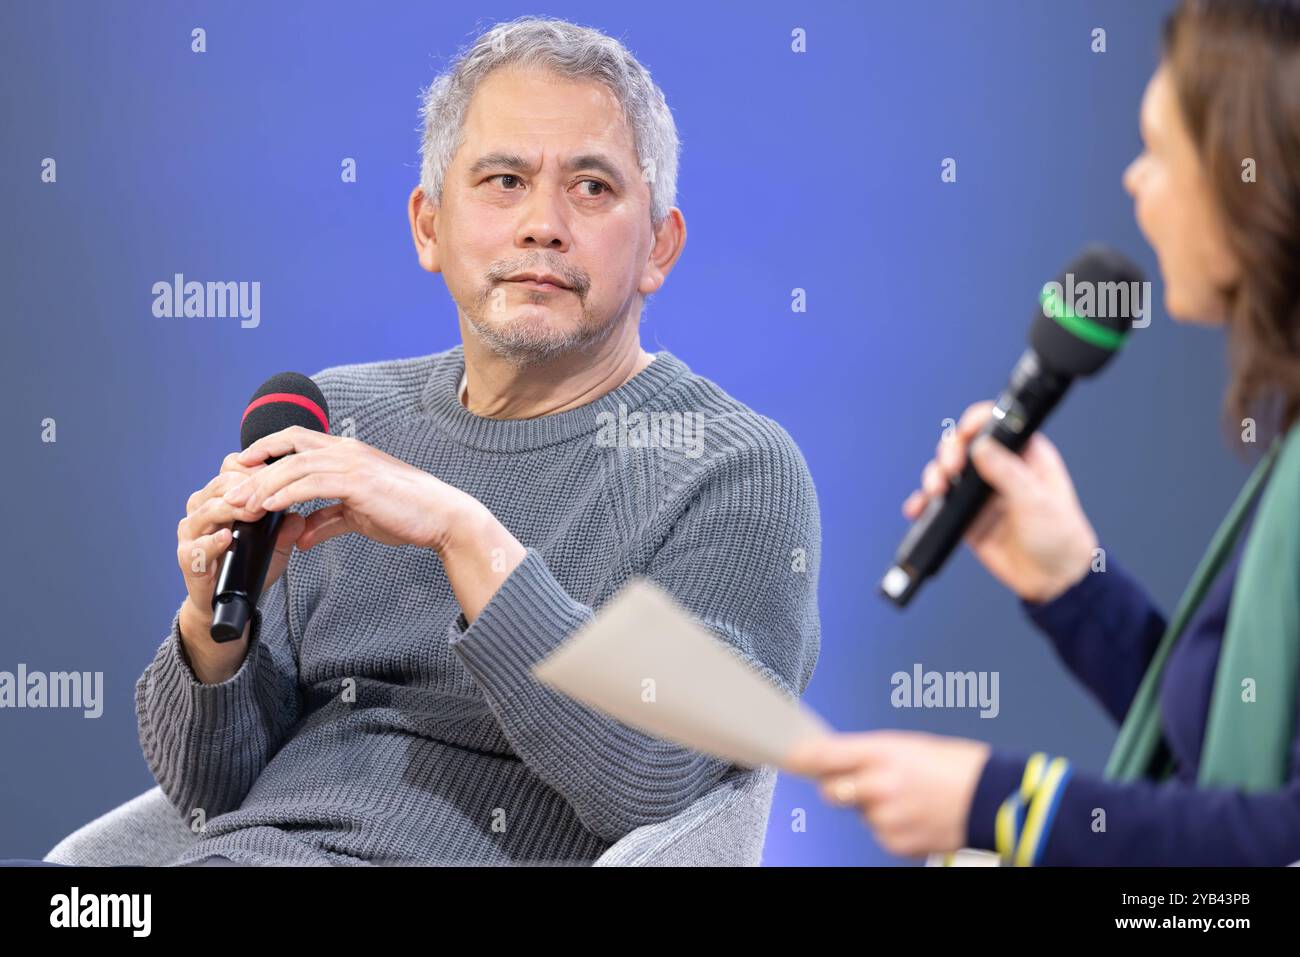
pixel 1130 177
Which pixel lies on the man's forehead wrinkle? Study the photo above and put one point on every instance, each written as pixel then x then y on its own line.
pixel 541 128
pixel 562 123
pixel 487 146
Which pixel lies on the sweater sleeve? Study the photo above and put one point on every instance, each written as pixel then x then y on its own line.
pixel 207 743
pixel 1106 630
pixel 1089 821
pixel 742 558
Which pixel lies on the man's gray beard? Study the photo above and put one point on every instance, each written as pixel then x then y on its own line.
pixel 522 347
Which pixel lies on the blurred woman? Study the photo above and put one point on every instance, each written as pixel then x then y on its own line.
pixel 1206 769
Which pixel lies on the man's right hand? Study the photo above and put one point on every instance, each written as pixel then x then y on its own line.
pixel 203 536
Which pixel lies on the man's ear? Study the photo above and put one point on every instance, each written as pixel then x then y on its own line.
pixel 423 216
pixel 670 239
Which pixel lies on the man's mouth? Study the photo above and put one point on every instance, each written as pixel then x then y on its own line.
pixel 543 283
pixel 542 286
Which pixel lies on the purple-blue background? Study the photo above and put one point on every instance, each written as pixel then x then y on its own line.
pixel 818 171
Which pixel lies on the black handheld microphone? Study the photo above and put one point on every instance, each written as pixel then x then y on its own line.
pixel 283 400
pixel 1083 320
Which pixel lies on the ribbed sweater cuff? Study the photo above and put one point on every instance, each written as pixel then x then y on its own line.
pixel 530 615
pixel 203 707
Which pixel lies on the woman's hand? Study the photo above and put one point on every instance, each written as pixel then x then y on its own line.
pixel 913 789
pixel 1032 534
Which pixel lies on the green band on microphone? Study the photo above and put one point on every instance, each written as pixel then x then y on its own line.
pixel 1081 327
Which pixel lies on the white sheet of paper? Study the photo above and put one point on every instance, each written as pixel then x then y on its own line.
pixel 645 661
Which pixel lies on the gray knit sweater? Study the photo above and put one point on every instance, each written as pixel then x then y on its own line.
pixel 368 724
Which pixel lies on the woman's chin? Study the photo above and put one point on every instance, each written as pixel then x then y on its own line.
pixel 1189 314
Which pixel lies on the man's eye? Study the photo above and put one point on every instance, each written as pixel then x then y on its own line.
pixel 510 180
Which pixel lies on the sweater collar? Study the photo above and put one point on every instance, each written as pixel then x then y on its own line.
pixel 440 402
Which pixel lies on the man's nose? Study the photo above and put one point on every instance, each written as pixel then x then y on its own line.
pixel 543 222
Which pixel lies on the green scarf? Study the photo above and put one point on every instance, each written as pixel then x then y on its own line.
pixel 1253 708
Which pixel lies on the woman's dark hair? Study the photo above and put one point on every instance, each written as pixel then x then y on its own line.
pixel 1236 69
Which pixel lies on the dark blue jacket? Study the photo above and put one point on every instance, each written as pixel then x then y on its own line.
pixel 1106 629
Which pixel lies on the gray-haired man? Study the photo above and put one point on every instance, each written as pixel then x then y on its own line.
pixel 479 506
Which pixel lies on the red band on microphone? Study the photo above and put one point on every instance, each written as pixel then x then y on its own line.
pixel 299 400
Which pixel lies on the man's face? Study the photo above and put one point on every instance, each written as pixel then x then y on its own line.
pixel 547 182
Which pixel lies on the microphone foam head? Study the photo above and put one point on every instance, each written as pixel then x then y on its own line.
pixel 1085 315
pixel 289 398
